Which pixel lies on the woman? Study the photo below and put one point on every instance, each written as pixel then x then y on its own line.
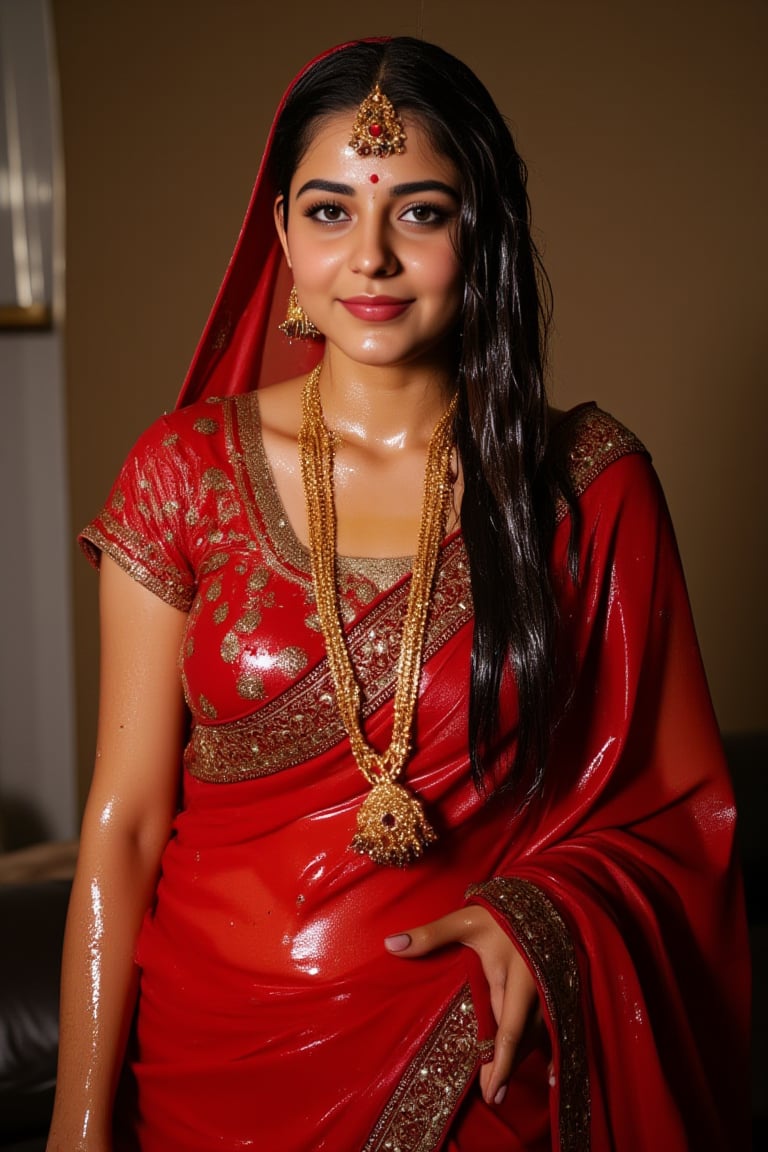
pixel 453 807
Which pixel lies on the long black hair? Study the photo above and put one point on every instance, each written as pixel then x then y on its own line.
pixel 507 506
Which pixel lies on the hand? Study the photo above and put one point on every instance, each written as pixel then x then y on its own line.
pixel 514 996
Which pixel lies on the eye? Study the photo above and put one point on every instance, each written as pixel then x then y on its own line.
pixel 327 212
pixel 424 213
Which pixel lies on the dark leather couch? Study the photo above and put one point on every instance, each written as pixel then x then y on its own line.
pixel 33 908
pixel 32 917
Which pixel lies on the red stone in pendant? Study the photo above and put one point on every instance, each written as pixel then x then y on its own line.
pixel 375 129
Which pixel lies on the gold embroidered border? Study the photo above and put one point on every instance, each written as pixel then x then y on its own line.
pixel 587 441
pixel 304 721
pixel 541 932
pixel 123 550
pixel 258 495
pixel 425 1100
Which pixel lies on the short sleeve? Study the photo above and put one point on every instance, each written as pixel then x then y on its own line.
pixel 143 526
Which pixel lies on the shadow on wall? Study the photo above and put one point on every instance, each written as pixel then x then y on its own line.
pixel 747 755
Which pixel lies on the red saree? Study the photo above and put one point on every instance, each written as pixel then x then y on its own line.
pixel 270 1016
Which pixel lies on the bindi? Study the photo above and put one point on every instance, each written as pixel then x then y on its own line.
pixel 373 178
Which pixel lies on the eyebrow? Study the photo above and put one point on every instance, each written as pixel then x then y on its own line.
pixel 397 190
pixel 424 186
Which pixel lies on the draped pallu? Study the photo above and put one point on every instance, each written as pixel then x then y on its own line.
pixel 270 1015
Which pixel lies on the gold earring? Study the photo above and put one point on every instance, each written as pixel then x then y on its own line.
pixel 297 325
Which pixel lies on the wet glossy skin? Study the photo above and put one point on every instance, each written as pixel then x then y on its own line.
pixel 373 260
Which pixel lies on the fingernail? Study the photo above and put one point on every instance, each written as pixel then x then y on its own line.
pixel 397 943
pixel 500 1094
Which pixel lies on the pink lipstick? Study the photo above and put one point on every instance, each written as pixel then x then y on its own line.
pixel 376 309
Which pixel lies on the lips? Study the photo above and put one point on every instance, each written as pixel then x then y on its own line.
pixel 376 309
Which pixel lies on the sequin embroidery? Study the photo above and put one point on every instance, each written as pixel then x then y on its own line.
pixel 424 1102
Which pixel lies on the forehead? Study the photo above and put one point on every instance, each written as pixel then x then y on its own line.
pixel 330 155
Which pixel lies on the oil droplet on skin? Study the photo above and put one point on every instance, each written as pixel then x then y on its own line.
pixel 104 820
pixel 96 937
pixel 95 941
pixel 87 1115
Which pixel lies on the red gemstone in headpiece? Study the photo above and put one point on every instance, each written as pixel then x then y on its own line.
pixel 378 129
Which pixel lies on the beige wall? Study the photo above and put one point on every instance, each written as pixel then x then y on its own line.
pixel 643 127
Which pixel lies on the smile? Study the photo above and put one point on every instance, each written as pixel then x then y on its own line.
pixel 376 308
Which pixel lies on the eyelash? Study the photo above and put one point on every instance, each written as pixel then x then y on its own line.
pixel 438 214
pixel 314 210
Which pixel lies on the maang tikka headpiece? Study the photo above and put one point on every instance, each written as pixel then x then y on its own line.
pixel 378 130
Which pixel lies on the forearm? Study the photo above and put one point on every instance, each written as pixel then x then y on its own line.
pixel 113 887
pixel 127 822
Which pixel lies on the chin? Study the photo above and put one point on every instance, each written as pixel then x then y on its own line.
pixel 384 351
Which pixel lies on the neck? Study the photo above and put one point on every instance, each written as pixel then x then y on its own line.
pixel 388 407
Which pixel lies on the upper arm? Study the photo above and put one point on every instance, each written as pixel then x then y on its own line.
pixel 141 711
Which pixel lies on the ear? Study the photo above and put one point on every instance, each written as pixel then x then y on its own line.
pixel 279 212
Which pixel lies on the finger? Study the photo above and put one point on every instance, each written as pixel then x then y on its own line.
pixel 457 927
pixel 473 927
pixel 517 1012
pixel 494 1076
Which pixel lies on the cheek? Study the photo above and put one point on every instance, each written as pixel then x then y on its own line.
pixel 440 271
pixel 453 292
pixel 313 262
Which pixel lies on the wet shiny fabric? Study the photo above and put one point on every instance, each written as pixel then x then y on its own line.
pixel 270 1015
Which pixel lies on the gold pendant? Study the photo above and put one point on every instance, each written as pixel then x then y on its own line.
pixel 391 826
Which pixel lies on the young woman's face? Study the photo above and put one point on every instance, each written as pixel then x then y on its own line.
pixel 370 243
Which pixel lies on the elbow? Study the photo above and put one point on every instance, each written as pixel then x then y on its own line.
pixel 132 836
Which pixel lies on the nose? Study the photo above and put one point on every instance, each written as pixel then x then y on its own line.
pixel 373 254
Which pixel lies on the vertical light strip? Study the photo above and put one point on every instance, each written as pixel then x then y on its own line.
pixel 21 255
pixel 57 293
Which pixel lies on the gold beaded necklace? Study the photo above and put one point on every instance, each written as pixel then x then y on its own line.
pixel 391 825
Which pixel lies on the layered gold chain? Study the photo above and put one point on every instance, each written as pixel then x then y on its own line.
pixel 394 844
